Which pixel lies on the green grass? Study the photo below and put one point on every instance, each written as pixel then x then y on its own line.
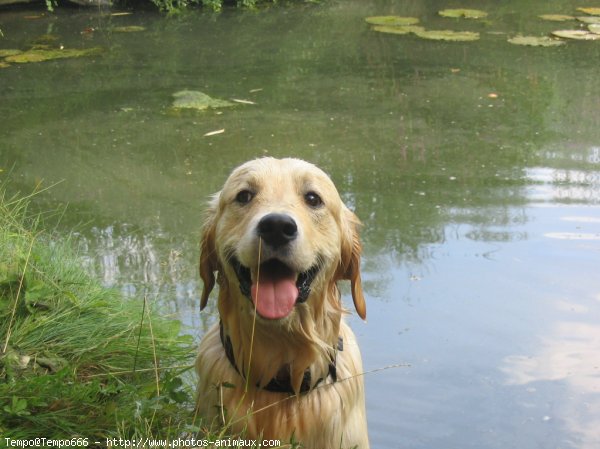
pixel 77 359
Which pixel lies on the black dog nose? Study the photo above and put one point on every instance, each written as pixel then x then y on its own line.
pixel 277 229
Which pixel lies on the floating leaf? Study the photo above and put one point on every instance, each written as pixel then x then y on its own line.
pixel 129 29
pixel 448 35
pixel 39 55
pixel 590 11
pixel 398 30
pixel 192 99
pixel 581 35
pixel 594 28
pixel 9 52
pixel 464 13
pixel 589 19
pixel 3 65
pixel 536 41
pixel 392 20
pixel 556 17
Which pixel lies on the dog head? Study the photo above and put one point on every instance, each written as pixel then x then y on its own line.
pixel 279 234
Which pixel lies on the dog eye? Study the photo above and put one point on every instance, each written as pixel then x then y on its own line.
pixel 313 200
pixel 244 197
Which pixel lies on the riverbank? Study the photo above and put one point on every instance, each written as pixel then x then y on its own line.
pixel 78 360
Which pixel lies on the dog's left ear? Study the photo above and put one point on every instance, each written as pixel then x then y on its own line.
pixel 350 263
pixel 209 262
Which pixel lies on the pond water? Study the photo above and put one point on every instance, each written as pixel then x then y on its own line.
pixel 474 166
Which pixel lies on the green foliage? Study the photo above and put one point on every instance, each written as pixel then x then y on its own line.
pixel 173 6
pixel 76 358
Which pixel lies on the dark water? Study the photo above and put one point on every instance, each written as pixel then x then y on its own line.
pixel 475 168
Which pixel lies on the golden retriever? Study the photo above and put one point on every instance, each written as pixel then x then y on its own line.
pixel 282 364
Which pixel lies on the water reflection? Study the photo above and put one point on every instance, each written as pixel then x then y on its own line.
pixel 145 263
pixel 553 185
pixel 569 355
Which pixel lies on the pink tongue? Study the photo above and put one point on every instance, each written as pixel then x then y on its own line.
pixel 274 299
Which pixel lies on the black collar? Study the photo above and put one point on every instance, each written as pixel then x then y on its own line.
pixel 281 383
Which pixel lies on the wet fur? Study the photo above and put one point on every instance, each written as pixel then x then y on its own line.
pixel 332 415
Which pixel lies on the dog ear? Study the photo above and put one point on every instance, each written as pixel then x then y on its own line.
pixel 351 251
pixel 209 263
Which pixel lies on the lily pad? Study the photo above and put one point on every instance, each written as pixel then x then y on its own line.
pixel 398 30
pixel 448 35
pixel 594 28
pixel 3 65
pixel 39 55
pixel 536 41
pixel 9 52
pixel 193 99
pixel 463 13
pixel 392 20
pixel 589 19
pixel 556 17
pixel 129 29
pixel 581 35
pixel 590 11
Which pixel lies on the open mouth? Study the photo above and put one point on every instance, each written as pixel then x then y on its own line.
pixel 278 288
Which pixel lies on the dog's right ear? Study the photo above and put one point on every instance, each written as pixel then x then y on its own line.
pixel 209 262
pixel 350 261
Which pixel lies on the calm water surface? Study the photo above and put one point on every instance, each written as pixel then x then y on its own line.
pixel 475 168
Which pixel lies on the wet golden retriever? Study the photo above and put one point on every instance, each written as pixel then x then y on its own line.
pixel 281 363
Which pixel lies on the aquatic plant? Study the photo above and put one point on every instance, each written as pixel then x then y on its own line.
pixel 193 99
pixel 589 19
pixel 47 54
pixel 591 11
pixel 556 17
pixel 448 35
pixel 536 41
pixel 580 35
pixel 393 21
pixel 406 25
